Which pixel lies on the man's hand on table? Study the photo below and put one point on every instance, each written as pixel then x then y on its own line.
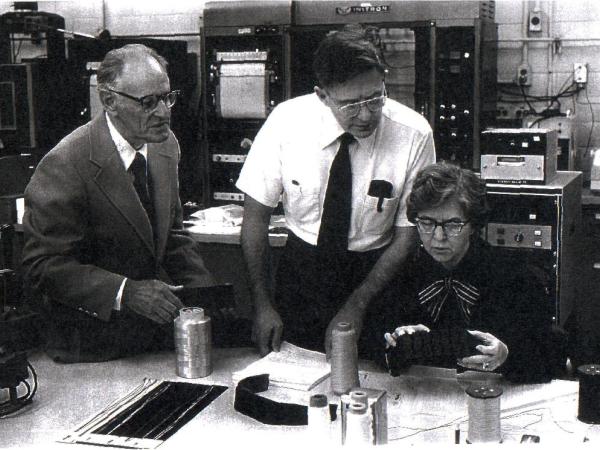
pixel 266 330
pixel 153 299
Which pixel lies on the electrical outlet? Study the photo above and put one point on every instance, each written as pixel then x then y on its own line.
pixel 535 21
pixel 523 75
pixel 580 73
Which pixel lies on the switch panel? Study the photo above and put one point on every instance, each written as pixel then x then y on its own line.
pixel 520 235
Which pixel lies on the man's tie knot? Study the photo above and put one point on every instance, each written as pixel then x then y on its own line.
pixel 138 165
pixel 346 139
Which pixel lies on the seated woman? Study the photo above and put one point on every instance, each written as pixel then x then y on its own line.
pixel 457 301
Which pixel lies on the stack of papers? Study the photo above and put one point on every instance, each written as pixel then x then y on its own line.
pixel 226 215
pixel 291 367
pixel 220 220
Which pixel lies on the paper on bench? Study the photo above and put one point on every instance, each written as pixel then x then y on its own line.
pixel 291 367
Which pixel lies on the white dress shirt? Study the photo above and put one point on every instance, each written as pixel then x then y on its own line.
pixel 294 150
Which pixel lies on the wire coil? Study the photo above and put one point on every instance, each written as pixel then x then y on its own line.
pixel 193 343
pixel 358 425
pixel 360 397
pixel 344 359
pixel 484 414
pixel 589 393
pixel 319 419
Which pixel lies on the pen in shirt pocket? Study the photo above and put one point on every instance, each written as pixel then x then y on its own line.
pixel 295 183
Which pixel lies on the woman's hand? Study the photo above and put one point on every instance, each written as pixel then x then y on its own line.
pixel 493 353
pixel 390 338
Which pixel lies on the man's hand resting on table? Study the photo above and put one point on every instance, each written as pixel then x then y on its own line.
pixel 152 299
pixel 266 330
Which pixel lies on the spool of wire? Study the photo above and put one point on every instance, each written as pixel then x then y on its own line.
pixel 193 343
pixel 358 396
pixel 484 414
pixel 319 420
pixel 589 393
pixel 344 359
pixel 358 425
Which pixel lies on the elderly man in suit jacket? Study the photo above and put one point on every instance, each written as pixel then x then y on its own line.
pixel 104 240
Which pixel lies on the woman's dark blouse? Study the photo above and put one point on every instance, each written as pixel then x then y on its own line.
pixel 485 292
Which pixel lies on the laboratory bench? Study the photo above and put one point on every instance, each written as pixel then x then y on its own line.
pixel 424 405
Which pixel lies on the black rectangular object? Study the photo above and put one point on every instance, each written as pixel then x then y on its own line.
pixel 435 347
pixel 516 141
pixel 163 411
pixel 18 108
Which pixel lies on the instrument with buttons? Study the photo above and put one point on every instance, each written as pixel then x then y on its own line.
pixel 245 73
pixel 541 225
pixel 520 235
pixel 519 155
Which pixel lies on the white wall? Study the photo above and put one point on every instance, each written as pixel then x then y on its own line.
pixel 575 23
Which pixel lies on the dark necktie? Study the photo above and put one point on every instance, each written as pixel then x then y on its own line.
pixel 337 207
pixel 140 183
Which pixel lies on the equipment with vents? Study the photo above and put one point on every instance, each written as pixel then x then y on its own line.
pixel 567 156
pixel 542 225
pixel 441 59
pixel 21 108
pixel 519 155
pixel 245 68
pixel 43 29
pixel 33 81
pixel 18 333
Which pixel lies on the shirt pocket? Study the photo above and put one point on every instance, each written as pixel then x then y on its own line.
pixel 376 222
pixel 301 202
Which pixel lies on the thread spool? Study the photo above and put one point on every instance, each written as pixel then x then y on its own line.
pixel 589 393
pixel 319 420
pixel 344 359
pixel 358 425
pixel 358 396
pixel 484 414
pixel 193 343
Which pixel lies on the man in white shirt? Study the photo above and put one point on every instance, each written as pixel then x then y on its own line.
pixel 343 160
pixel 104 242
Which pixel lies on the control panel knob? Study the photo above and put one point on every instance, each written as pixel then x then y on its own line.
pixel 519 237
pixel 246 144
